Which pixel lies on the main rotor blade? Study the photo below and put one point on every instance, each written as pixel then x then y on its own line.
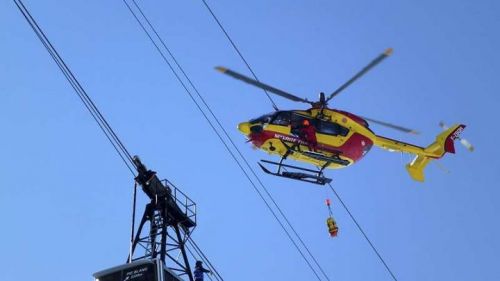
pixel 392 126
pixel 261 85
pixel 373 63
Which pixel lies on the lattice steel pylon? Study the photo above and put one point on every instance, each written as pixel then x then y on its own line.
pixel 167 222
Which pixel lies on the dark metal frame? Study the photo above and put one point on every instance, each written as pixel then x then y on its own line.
pixel 168 221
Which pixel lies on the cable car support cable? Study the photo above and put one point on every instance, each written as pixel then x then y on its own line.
pixel 336 194
pixel 224 130
pixel 129 161
pixel 96 114
pixel 204 258
pixel 363 232
pixel 238 51
pixel 196 256
pixel 215 130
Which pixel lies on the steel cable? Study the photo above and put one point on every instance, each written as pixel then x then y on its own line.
pixel 363 232
pixel 205 259
pixel 336 194
pixel 211 124
pixel 96 115
pixel 195 257
pixel 238 51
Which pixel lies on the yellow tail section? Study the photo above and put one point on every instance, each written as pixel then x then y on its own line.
pixel 444 143
pixel 417 166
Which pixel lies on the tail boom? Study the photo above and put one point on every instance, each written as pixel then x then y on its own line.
pixel 444 143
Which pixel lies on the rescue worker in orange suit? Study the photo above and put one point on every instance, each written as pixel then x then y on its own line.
pixel 308 133
pixel 333 229
pixel 199 271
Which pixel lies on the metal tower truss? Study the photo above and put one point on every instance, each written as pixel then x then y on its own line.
pixel 167 222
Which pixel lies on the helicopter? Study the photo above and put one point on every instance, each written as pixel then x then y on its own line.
pixel 330 138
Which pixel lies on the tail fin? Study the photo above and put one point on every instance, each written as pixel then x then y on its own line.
pixel 444 143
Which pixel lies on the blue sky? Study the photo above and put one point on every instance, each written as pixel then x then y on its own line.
pixel 65 197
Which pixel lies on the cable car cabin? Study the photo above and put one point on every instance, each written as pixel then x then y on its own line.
pixel 141 270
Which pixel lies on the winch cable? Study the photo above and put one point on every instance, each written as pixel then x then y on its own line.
pixel 213 127
pixel 336 194
pixel 89 104
pixel 363 232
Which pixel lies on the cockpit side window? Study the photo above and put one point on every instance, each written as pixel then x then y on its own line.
pixel 296 120
pixel 331 128
pixel 283 118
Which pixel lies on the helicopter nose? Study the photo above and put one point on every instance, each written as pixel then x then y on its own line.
pixel 244 128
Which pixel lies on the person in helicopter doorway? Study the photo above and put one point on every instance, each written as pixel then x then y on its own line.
pixel 308 134
pixel 199 271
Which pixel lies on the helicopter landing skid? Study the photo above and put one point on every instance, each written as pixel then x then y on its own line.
pixel 306 175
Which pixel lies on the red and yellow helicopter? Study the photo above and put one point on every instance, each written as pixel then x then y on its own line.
pixel 330 138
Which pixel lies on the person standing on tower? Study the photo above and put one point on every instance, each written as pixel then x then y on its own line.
pixel 199 271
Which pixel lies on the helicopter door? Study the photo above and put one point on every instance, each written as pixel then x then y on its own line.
pixel 297 122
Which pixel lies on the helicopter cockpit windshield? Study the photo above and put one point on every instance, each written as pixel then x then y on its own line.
pixel 266 118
